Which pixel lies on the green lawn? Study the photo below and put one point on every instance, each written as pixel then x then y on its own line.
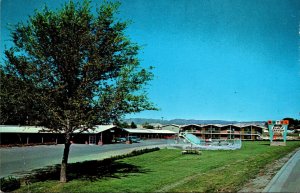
pixel 168 171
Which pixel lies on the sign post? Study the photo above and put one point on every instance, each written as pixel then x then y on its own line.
pixel 278 132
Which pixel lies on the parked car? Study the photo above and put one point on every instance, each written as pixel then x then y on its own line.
pixel 133 139
pixel 120 139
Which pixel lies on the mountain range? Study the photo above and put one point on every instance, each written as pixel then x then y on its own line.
pixel 140 121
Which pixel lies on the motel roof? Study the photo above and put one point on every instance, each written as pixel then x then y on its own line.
pixel 150 131
pixel 97 129
pixel 21 129
pixel 100 128
pixel 190 125
pixel 173 125
pixel 208 125
pixel 38 129
pixel 227 125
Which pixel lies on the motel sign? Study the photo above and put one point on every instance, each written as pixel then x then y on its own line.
pixel 278 132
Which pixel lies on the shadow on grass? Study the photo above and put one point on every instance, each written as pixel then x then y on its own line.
pixel 265 144
pixel 90 170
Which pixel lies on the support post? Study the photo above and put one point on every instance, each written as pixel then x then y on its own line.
pixel 101 138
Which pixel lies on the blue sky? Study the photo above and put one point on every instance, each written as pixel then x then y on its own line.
pixel 229 59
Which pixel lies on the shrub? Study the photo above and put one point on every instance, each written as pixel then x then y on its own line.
pixel 9 184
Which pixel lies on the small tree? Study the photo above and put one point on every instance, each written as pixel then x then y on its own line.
pixel 133 125
pixel 81 69
pixel 146 125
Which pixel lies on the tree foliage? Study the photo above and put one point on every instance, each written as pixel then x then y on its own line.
pixel 293 123
pixel 124 124
pixel 72 69
pixel 146 125
pixel 80 67
pixel 133 125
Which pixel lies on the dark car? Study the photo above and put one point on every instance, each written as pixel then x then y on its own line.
pixel 120 139
pixel 133 139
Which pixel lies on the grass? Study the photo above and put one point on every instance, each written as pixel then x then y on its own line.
pixel 168 171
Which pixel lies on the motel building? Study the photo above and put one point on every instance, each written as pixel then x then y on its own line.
pixel 106 134
pixel 101 134
pixel 231 131
pixel 171 127
pixel 151 133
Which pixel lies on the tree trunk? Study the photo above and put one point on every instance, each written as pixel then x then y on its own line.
pixel 64 163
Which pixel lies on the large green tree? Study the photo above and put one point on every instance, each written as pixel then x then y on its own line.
pixel 79 68
pixel 17 108
pixel 293 123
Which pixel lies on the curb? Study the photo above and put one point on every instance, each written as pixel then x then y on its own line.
pixel 275 185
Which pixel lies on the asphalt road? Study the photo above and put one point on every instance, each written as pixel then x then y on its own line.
pixel 17 161
pixel 288 177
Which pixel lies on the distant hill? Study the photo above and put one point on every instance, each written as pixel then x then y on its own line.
pixel 186 121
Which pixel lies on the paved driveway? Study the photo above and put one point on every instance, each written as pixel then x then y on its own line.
pixel 18 160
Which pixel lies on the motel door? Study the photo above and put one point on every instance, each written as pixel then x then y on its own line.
pixel 92 139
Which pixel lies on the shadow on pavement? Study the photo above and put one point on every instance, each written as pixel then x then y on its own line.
pixel 90 170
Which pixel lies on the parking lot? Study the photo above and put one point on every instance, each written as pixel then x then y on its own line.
pixel 19 160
